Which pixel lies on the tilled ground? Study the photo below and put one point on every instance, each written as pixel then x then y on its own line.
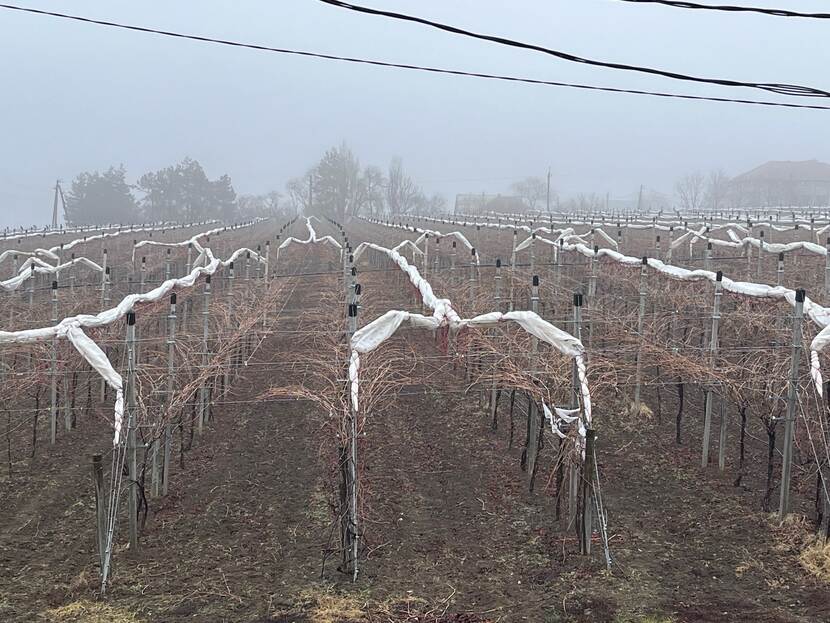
pixel 450 531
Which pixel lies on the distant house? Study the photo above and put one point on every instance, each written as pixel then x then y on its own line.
pixel 483 203
pixel 804 183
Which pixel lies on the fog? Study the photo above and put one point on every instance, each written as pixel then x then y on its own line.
pixel 80 97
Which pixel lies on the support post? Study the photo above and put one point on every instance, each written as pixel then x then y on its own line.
pixel 349 530
pixel 473 275
pixel 713 351
pixel 792 397
pixel 132 449
pixel 641 312
pixel 532 254
pixel 498 284
pixel 171 380
pixel 204 403
pixel 53 412
pixel 760 251
pixel 534 425
pixel 587 523
pixel 670 249
pixel 573 466
pixel 780 271
pixel 827 268
pixel 100 508
pixel 512 272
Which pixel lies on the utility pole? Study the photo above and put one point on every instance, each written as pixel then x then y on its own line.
pixel 548 193
pixel 58 193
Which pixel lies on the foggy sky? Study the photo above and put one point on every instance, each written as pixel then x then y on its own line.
pixel 79 97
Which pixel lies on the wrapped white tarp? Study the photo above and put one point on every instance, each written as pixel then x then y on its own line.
pixel 72 327
pixel 312 237
pixel 34 265
pixel 819 314
pixel 372 335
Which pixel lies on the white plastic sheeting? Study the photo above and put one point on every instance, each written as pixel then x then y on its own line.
pixel 35 265
pixel 110 227
pixel 819 314
pixel 52 253
pixel 312 237
pixel 428 232
pixel 194 240
pixel 72 327
pixel 558 416
pixel 644 223
pixel 12 252
pixel 372 335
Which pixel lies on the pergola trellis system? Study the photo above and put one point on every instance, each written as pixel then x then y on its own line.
pixel 637 311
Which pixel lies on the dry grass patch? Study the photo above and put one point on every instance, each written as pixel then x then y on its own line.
pixel 331 607
pixel 815 559
pixel 90 612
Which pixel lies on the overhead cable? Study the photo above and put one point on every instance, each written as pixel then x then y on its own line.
pixel 422 68
pixel 772 87
pixel 678 4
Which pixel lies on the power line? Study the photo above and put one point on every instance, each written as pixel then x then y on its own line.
pixel 779 88
pixel 422 68
pixel 737 9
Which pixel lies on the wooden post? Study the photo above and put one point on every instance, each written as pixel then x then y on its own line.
pixel 100 508
pixel 792 397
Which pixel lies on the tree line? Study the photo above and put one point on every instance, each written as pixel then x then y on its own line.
pixel 336 186
pixel 339 187
pixel 181 192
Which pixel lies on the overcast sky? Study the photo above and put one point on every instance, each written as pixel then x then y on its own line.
pixel 79 97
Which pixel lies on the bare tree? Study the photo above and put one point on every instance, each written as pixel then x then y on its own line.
pixel 338 187
pixel 300 192
pixel 717 187
pixel 531 190
pixel 373 187
pixel 436 204
pixel 402 193
pixel 690 191
pixel 269 204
